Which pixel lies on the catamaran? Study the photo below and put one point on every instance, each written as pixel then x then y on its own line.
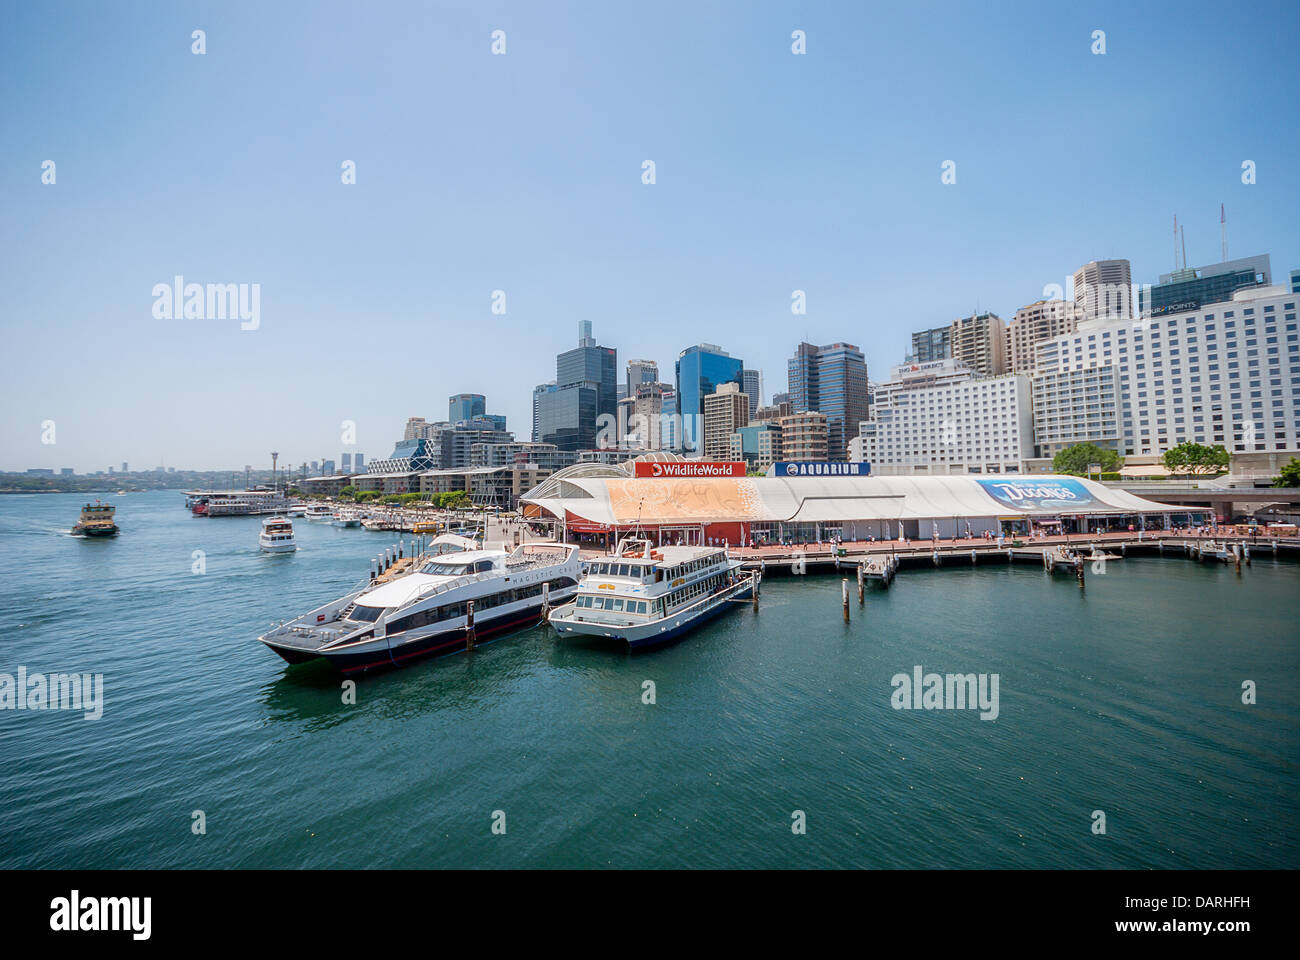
pixel 445 604
pixel 646 596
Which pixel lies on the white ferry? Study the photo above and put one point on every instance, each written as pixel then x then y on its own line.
pixel 647 596
pixel 444 605
pixel 318 511
pixel 277 536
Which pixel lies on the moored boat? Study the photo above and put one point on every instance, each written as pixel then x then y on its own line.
pixel 645 597
pixel 445 604
pixel 318 511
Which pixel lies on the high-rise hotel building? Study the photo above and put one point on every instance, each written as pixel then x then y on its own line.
pixel 1226 374
pixel 1033 324
pixel 1103 289
pixel 945 421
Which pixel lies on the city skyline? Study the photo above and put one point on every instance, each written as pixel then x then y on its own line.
pixel 377 297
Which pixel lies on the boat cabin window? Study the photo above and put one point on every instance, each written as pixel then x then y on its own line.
pixel 443 569
pixel 365 614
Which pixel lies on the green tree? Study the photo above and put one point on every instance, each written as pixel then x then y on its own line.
pixel 1195 458
pixel 1076 458
pixel 1290 475
pixel 349 492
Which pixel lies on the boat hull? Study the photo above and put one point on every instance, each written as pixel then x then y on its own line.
pixel 278 547
pixel 379 655
pixel 94 531
pixel 659 633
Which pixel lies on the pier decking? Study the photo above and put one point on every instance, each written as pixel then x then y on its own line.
pixel 882 559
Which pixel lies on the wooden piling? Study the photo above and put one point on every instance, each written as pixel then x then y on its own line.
pixel 470 639
pixel 862 583
pixel 844 590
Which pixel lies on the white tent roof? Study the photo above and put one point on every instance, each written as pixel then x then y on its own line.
pixel 664 501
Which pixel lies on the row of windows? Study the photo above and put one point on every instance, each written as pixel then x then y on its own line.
pixel 451 611
pixel 617 604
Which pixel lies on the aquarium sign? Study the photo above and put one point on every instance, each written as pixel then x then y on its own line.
pixel 818 468
pixel 1055 495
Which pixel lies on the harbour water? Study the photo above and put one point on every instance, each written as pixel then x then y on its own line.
pixel 1124 697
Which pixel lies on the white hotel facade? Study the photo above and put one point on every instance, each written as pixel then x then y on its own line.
pixel 1227 373
pixel 938 419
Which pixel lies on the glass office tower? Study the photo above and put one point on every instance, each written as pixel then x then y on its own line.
pixel 586 389
pixel 465 406
pixel 831 380
pixel 701 369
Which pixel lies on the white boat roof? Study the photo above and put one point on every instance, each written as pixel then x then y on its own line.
pixel 671 556
pixel 403 590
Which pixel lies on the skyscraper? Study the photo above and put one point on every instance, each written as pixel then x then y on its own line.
pixel 725 412
pixel 933 344
pixel 1032 324
pixel 753 384
pixel 831 380
pixel 638 372
pixel 979 341
pixel 701 369
pixel 586 379
pixel 465 406
pixel 1104 289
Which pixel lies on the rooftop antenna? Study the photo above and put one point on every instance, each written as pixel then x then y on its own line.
pixel 1175 241
pixel 1223 230
pixel 1182 233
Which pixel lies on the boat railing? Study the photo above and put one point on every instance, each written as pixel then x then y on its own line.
pixel 751 576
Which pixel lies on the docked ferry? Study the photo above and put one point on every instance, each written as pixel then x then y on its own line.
pixel 96 521
pixel 646 596
pixel 319 511
pixel 446 603
pixel 277 536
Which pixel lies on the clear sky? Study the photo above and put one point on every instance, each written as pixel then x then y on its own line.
pixel 523 173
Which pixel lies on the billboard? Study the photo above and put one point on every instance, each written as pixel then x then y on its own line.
pixel 1056 496
pixel 690 468
pixel 819 468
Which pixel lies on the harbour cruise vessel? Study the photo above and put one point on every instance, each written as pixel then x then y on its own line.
pixel 277 536
pixel 96 521
pixel 319 511
pixel 446 604
pixel 646 596
pixel 235 503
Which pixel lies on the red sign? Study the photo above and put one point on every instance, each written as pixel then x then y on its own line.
pixel 690 468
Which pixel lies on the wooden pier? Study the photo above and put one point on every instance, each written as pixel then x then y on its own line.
pixel 881 561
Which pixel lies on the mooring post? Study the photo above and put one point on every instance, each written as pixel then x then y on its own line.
pixel 1078 570
pixel 374 569
pixel 546 603
pixel 862 582
pixel 469 626
pixel 754 579
pixel 844 590
pixel 1246 551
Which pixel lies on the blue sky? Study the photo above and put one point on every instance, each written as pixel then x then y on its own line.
pixel 522 173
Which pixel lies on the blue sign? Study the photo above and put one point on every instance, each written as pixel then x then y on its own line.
pixel 1053 495
pixel 823 468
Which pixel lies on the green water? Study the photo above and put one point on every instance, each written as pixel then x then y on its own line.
pixel 1124 698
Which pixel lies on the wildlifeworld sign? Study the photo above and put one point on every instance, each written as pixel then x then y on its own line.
pixel 690 468
pixel 1057 496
